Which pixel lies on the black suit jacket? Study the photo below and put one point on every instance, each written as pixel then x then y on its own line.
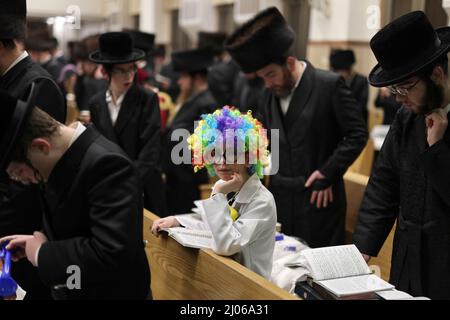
pixel 222 80
pixel 54 68
pixel 94 220
pixel 360 89
pixel 322 130
pixel 410 185
pixel 18 80
pixel 137 132
pixel 19 205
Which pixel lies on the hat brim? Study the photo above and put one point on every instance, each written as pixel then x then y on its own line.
pixel 98 58
pixel 379 77
pixel 17 126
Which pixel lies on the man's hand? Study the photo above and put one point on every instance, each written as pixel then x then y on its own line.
pixel 16 245
pixel 169 222
pixel 320 198
pixel 234 185
pixel 22 246
pixel 437 124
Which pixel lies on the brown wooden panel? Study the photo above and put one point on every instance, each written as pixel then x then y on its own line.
pixel 191 274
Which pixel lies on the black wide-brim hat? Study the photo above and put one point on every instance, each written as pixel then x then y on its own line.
pixel 405 47
pixel 261 41
pixel 192 61
pixel 116 48
pixel 13 19
pixel 342 59
pixel 142 40
pixel 14 116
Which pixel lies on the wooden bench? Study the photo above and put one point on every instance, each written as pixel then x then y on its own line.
pixel 180 273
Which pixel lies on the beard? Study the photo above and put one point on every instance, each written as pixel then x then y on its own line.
pixel 434 97
pixel 288 85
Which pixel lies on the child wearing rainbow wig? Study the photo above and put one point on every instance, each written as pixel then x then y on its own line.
pixel 241 212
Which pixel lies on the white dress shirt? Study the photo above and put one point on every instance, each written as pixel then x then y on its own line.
pixel 20 58
pixel 79 129
pixel 447 109
pixel 114 107
pixel 251 238
pixel 285 102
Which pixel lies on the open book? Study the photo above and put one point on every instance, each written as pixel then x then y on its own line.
pixel 341 271
pixel 191 238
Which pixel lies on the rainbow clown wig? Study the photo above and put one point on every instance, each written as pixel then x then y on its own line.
pixel 227 131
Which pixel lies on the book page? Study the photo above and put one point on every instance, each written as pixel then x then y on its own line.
pixel 192 238
pixel 398 295
pixel 335 262
pixel 355 285
pixel 394 295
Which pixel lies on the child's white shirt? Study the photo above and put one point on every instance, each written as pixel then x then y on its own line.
pixel 251 238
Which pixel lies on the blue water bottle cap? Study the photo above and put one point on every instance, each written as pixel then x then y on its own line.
pixel 279 237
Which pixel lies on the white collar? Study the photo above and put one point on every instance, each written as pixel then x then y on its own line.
pixel 305 65
pixel 79 129
pixel 248 190
pixel 447 109
pixel 109 98
pixel 20 58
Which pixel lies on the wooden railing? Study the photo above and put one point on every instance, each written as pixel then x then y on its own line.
pixel 180 273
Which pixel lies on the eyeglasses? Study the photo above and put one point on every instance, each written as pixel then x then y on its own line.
pixel 125 72
pixel 402 91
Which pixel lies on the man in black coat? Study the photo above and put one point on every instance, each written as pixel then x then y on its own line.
pixel 222 75
pixel 182 183
pixel 249 92
pixel 411 180
pixel 341 62
pixel 39 48
pixel 19 205
pixel 92 245
pixel 129 115
pixel 321 130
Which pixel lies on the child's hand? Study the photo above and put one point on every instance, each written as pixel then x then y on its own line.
pixel 169 222
pixel 234 185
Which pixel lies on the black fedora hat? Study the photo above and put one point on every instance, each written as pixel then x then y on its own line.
pixel 13 19
pixel 261 41
pixel 39 44
pixel 193 60
pixel 142 40
pixel 405 47
pixel 116 48
pixel 342 59
pixel 215 40
pixel 14 115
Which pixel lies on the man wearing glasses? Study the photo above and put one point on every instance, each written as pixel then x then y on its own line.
pixel 128 114
pixel 411 180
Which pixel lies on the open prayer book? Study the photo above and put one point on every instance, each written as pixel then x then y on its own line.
pixel 342 272
pixel 191 238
